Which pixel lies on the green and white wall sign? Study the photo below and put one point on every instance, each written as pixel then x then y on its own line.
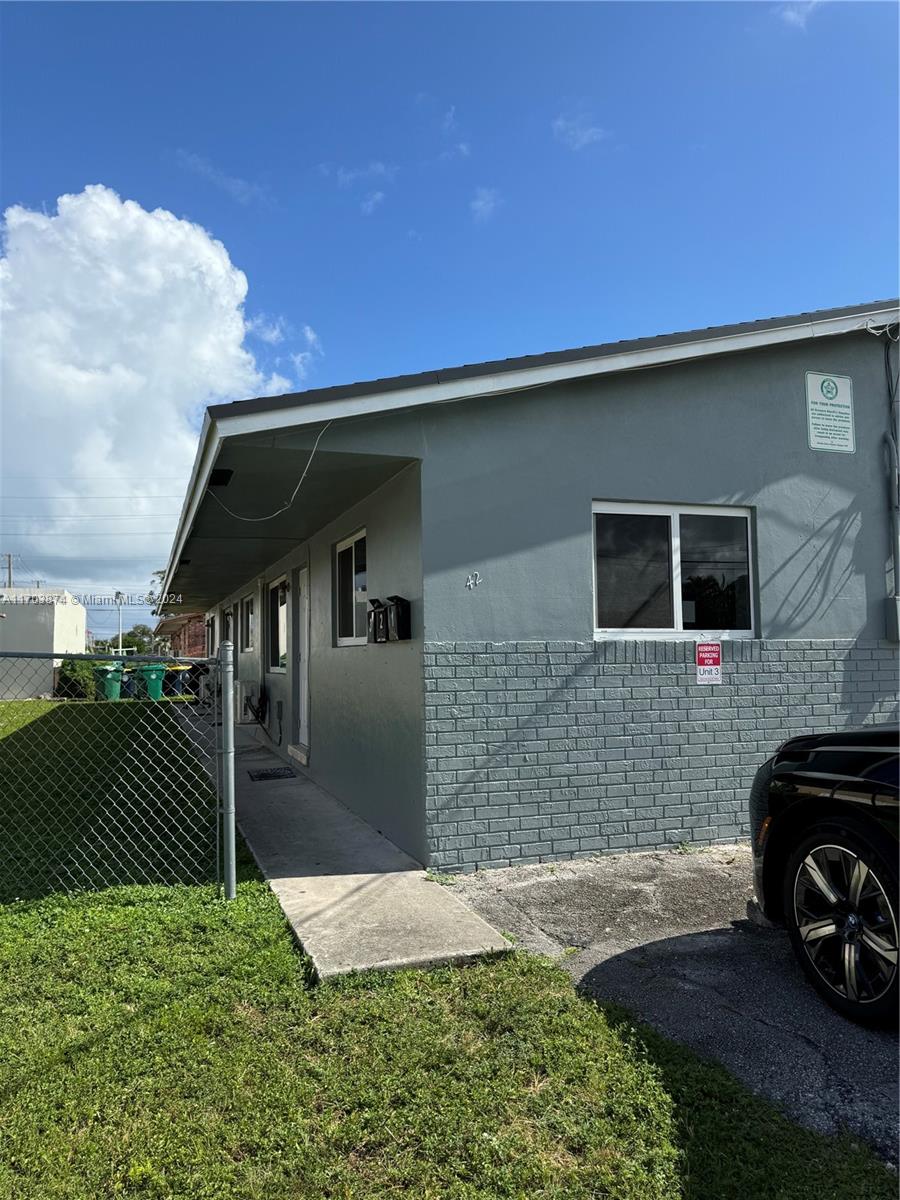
pixel 829 412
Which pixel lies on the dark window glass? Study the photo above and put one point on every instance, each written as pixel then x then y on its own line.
pixel 359 586
pixel 715 572
pixel 247 623
pixel 273 627
pixel 345 592
pixel 634 571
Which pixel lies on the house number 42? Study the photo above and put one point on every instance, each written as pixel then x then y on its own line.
pixel 473 580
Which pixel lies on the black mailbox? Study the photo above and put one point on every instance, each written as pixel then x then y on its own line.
pixel 376 622
pixel 398 620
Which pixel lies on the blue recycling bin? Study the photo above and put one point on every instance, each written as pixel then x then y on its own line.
pixel 175 680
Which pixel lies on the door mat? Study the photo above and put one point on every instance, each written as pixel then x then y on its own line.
pixel 272 773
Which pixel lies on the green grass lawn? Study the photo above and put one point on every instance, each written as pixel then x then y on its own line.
pixel 95 794
pixel 158 1043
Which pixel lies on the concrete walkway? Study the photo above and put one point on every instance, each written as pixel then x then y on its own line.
pixel 354 900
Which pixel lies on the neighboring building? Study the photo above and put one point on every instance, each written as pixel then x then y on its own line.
pixel 37 620
pixel 566 527
pixel 184 633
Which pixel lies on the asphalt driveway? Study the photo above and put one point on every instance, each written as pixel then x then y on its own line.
pixel 666 935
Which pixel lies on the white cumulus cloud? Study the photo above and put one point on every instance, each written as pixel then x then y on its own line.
pixel 458 150
pixel 577 131
pixel 797 14
pixel 371 202
pixel 303 358
pixel 272 332
pixel 347 176
pixel 484 203
pixel 119 325
pixel 244 191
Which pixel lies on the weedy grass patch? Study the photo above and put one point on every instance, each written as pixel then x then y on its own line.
pixel 158 1043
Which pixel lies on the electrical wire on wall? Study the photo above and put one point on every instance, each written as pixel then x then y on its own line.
pixel 891 335
pixel 287 504
pixel 259 712
pixel 364 416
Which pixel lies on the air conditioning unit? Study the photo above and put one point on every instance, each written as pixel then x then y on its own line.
pixel 206 691
pixel 242 693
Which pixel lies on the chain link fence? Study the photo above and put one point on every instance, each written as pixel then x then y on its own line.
pixel 110 772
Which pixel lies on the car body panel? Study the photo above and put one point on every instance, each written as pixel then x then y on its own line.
pixel 814 776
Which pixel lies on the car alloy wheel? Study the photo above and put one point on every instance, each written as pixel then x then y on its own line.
pixel 845 923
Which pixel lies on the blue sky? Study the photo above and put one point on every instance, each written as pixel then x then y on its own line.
pixel 404 186
pixel 645 167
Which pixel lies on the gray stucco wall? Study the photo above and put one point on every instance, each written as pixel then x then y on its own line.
pixel 366 703
pixel 540 743
pixel 508 485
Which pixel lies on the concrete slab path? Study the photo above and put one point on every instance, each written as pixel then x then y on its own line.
pixel 355 901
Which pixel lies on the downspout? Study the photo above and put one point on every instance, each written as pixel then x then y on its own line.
pixel 892 439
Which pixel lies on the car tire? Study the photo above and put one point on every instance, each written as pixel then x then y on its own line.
pixel 841 912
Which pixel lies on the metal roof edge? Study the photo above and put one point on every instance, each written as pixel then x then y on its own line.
pixel 448 375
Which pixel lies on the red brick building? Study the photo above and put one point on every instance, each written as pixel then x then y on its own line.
pixel 186 634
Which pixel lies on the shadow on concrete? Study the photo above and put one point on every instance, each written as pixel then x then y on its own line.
pixel 737 995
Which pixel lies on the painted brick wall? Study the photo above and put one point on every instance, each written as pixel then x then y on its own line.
pixel 190 640
pixel 546 750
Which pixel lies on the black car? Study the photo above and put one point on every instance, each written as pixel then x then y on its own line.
pixel 823 816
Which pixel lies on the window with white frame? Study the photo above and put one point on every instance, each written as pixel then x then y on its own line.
pixel 246 624
pixel 211 646
pixel 664 570
pixel 278 626
pixel 351 595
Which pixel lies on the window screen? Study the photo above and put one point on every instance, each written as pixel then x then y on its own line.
pixel 345 592
pixel 360 593
pixel 634 571
pixel 351 590
pixel 715 572
pixel 672 567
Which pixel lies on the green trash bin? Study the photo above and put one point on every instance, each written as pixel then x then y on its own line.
pixel 148 678
pixel 109 680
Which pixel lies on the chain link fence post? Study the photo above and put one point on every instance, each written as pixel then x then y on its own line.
pixel 226 660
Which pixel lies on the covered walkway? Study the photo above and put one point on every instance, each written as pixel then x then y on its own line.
pixel 354 900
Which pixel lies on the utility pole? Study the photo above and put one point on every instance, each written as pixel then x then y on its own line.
pixel 119 599
pixel 9 559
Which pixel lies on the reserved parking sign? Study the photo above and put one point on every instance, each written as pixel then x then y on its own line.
pixel 709 662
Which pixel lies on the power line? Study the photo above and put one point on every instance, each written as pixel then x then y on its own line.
pixel 41 475
pixel 86 517
pixel 128 496
pixel 108 534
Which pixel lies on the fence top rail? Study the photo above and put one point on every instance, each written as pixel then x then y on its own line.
pixel 174 659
